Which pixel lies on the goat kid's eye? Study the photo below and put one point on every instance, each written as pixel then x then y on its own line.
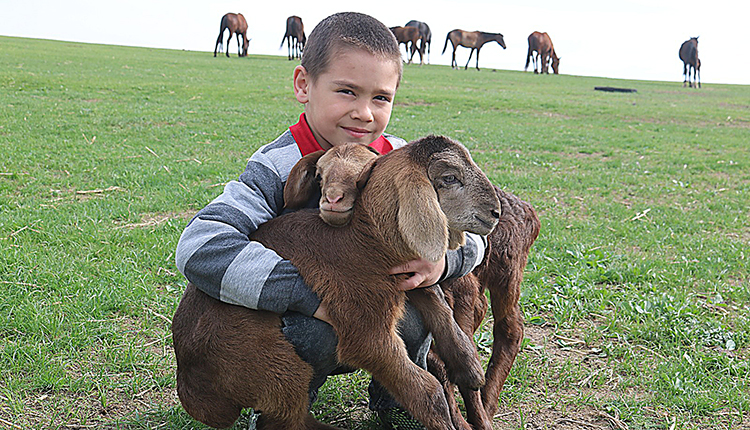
pixel 450 180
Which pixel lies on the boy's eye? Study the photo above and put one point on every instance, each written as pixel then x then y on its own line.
pixel 346 91
pixel 383 99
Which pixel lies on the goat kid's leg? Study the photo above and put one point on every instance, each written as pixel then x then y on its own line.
pixel 436 367
pixel 508 334
pixel 452 344
pixel 386 359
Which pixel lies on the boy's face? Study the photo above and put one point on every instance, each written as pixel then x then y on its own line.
pixel 351 102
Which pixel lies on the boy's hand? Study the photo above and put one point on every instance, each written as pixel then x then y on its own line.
pixel 420 273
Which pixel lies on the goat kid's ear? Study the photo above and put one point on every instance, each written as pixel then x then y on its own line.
pixel 421 222
pixel 364 175
pixel 301 183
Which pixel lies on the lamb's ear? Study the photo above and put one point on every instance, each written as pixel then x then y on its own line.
pixel 421 222
pixel 364 175
pixel 301 183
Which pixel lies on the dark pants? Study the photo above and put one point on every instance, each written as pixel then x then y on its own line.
pixel 315 341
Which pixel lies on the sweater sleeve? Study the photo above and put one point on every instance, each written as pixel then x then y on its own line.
pixel 461 261
pixel 215 253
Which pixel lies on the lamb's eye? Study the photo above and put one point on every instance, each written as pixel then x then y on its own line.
pixel 450 179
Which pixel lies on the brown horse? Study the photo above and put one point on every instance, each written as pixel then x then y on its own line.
pixel 470 39
pixel 426 33
pixel 236 24
pixel 294 36
pixel 541 44
pixel 690 62
pixel 407 36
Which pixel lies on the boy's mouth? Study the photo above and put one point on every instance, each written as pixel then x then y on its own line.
pixel 356 132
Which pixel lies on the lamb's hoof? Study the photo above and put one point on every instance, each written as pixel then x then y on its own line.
pixel 470 376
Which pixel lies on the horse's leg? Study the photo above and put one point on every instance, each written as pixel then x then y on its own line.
pixel 467 61
pixel 684 73
pixel 477 58
pixel 698 76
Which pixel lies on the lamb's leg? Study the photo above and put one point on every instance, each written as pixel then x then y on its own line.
pixel 437 368
pixel 383 354
pixel 230 357
pixel 452 344
pixel 508 334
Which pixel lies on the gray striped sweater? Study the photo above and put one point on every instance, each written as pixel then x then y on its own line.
pixel 215 254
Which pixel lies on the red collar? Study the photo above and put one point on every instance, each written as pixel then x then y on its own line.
pixel 307 144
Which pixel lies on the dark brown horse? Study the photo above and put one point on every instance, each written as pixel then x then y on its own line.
pixel 470 39
pixel 426 33
pixel 409 36
pixel 295 37
pixel 541 51
pixel 236 24
pixel 690 62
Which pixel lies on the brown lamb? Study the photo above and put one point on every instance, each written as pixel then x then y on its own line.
pixel 417 202
pixel 501 273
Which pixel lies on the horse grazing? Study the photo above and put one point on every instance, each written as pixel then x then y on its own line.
pixel 294 36
pixel 426 33
pixel 541 51
pixel 407 36
pixel 690 62
pixel 236 24
pixel 470 39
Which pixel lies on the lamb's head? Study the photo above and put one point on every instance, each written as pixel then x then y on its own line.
pixel 466 196
pixel 436 193
pixel 335 173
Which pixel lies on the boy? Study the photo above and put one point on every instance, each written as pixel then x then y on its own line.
pixel 347 81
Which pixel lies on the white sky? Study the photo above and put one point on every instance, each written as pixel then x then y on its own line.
pixel 631 39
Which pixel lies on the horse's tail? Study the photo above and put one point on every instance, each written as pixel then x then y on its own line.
pixel 528 58
pixel 220 40
pixel 447 38
pixel 284 38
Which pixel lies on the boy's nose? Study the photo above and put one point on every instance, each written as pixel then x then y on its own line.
pixel 363 112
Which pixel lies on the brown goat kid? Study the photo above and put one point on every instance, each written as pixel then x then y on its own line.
pixel 335 174
pixel 417 202
pixel 501 273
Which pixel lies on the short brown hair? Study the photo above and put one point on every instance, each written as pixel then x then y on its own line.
pixel 348 30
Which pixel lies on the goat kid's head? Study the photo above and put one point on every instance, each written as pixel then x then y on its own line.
pixel 335 172
pixel 441 193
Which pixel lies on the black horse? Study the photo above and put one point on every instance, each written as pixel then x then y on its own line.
pixel 690 62
pixel 424 31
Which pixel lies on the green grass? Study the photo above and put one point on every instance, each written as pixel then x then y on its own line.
pixel 636 292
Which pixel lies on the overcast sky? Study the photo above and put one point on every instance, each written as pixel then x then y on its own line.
pixel 631 39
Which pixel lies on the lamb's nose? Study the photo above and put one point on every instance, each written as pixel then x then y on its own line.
pixel 334 198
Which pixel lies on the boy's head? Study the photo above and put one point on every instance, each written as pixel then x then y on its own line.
pixel 347 79
pixel 348 30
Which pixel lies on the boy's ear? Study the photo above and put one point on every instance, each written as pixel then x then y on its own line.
pixel 301 84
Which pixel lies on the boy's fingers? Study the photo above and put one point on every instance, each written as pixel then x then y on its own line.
pixel 411 282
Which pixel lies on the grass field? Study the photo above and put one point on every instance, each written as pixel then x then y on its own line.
pixel 636 295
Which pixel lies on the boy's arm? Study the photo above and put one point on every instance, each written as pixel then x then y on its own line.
pixel 215 253
pixel 463 260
